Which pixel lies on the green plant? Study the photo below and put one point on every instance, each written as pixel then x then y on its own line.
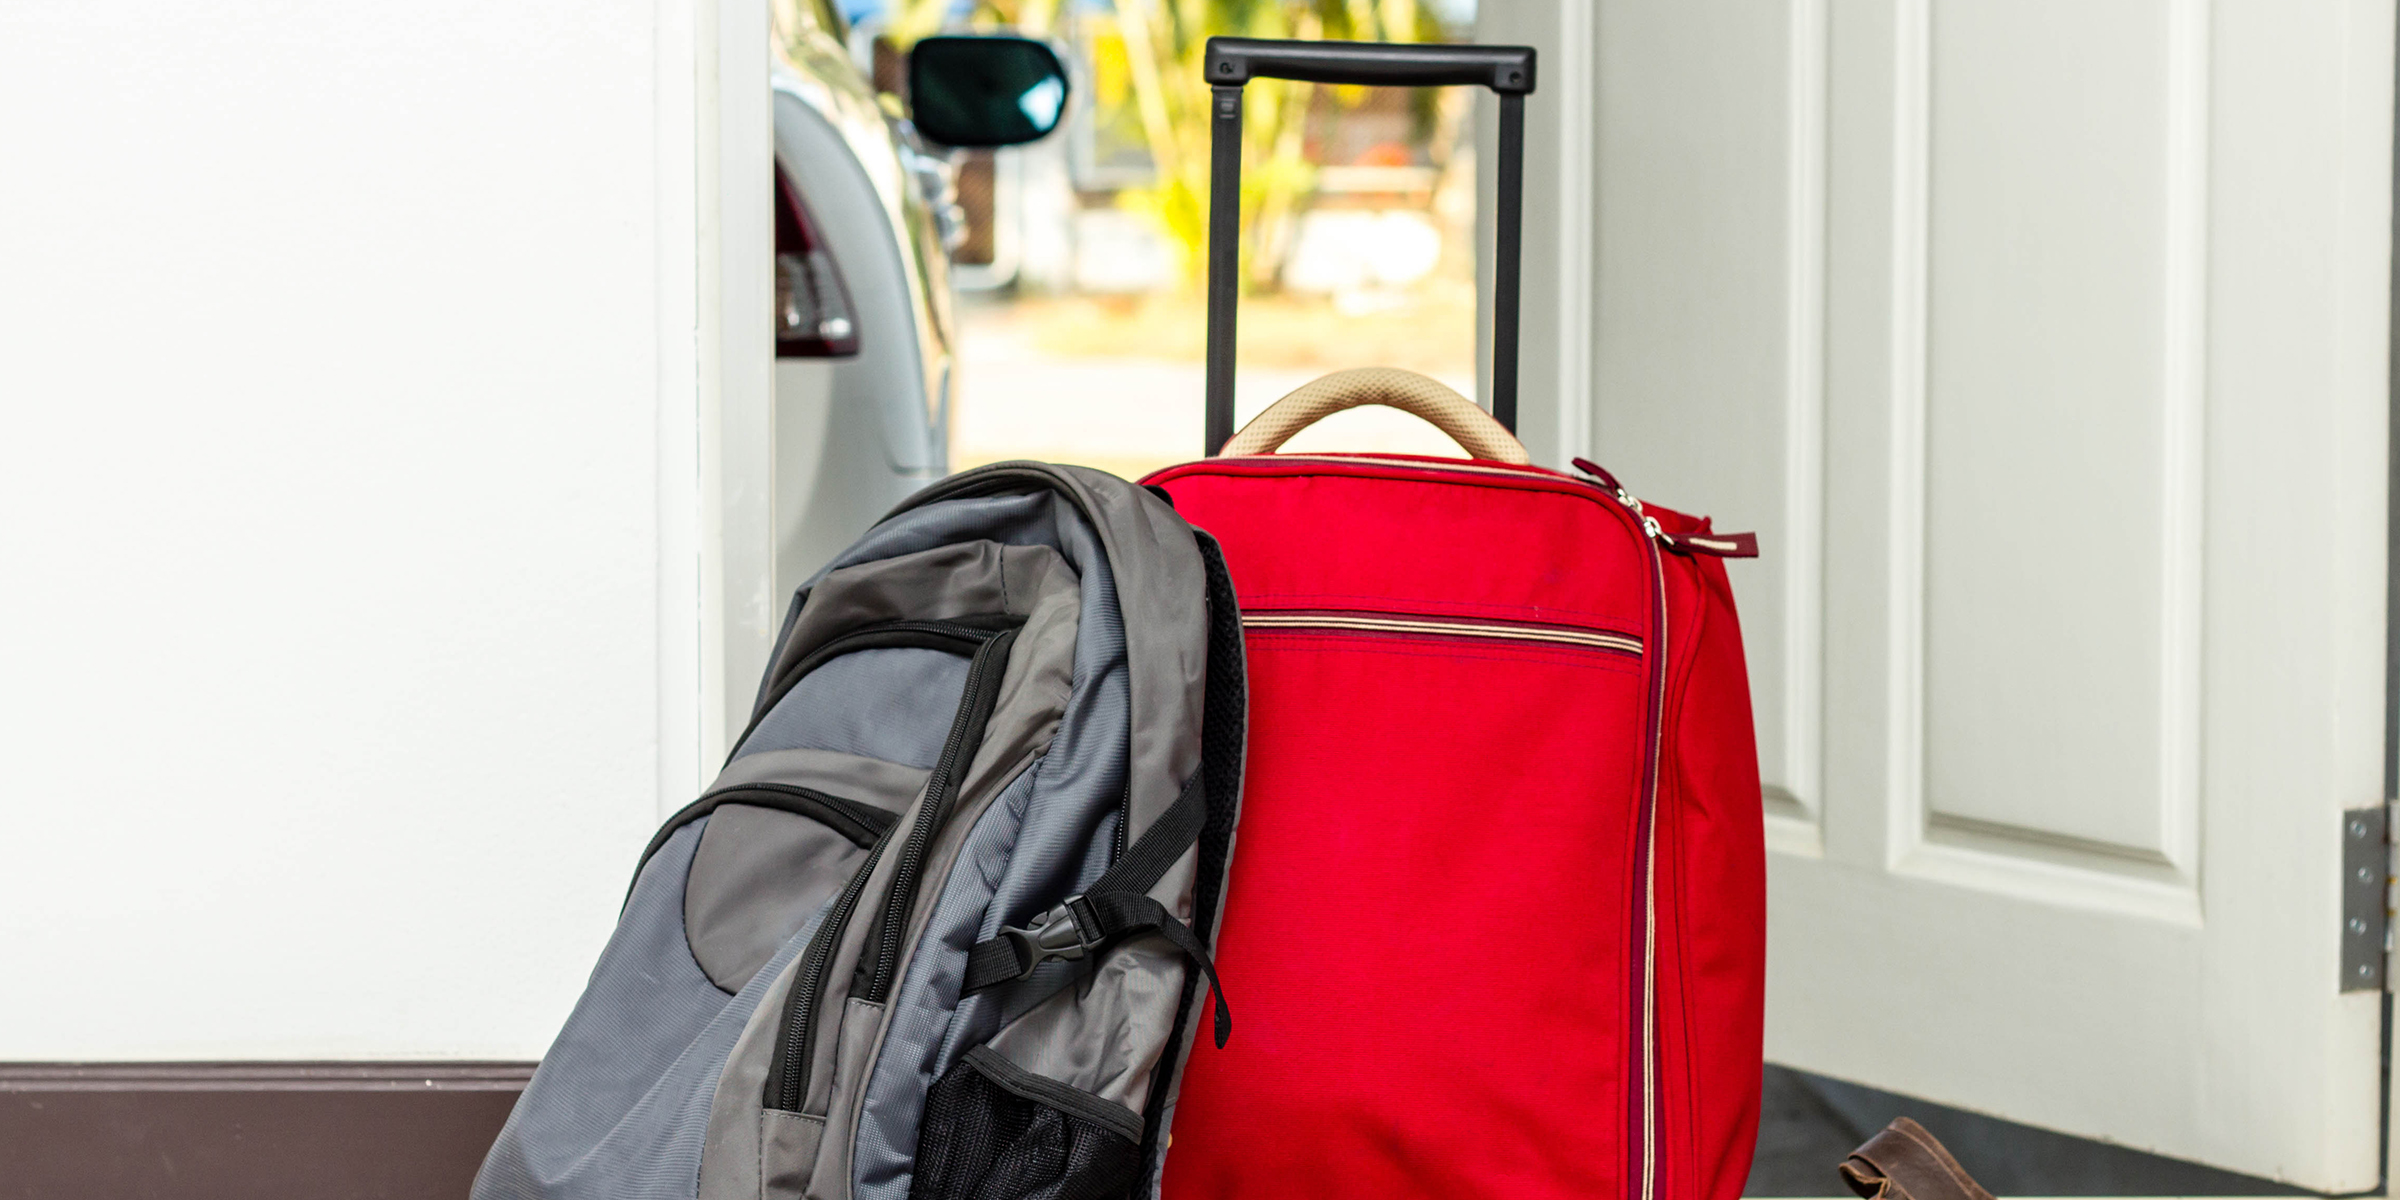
pixel 1164 42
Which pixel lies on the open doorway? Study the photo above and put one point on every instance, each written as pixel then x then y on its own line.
pixel 1080 265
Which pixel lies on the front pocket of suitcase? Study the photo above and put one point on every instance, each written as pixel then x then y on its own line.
pixel 1472 787
pixel 995 1131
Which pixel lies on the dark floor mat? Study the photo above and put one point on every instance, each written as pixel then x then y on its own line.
pixel 1808 1122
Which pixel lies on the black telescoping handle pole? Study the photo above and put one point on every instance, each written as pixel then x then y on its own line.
pixel 1232 62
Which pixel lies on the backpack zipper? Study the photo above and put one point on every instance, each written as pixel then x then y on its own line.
pixel 951 636
pixel 861 823
pixel 787 1074
pixel 941 795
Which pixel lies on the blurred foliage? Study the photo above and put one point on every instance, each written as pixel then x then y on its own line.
pixel 1145 60
pixel 1162 43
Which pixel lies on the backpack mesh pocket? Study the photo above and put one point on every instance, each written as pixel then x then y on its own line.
pixel 995 1131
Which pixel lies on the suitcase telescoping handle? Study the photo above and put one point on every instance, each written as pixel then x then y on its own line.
pixel 1232 62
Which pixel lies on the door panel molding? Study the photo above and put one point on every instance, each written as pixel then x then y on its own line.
pixel 1793 785
pixel 2153 873
pixel 2201 193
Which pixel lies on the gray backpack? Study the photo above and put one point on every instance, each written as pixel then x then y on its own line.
pixel 940 929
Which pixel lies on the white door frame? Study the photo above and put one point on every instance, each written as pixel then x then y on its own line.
pixel 717 614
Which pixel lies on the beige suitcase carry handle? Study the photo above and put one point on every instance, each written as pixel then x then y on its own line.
pixel 1472 428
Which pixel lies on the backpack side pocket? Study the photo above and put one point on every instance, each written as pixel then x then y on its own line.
pixel 996 1131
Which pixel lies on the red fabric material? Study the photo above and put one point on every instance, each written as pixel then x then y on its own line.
pixel 1434 933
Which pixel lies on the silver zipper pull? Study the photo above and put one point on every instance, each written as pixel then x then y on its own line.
pixel 1720 545
pixel 1600 475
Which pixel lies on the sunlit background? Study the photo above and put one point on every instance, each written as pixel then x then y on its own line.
pixel 1081 274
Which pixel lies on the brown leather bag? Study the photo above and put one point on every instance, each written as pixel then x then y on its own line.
pixel 1906 1163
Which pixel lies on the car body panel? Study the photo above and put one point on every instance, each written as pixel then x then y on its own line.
pixel 892 370
pixel 911 182
pixel 856 434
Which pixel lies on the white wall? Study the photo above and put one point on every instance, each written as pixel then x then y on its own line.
pixel 347 515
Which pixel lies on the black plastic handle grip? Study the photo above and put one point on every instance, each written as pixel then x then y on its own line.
pixel 1234 61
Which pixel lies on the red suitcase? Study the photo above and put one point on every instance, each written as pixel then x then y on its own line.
pixel 1496 924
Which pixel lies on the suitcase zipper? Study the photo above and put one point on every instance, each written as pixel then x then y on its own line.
pixel 1649 855
pixel 1731 545
pixel 1353 621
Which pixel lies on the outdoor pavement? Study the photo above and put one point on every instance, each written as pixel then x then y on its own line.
pixel 1131 414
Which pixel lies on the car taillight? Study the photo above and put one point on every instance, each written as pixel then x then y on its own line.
pixel 813 317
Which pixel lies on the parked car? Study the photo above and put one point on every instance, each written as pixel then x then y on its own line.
pixel 865 221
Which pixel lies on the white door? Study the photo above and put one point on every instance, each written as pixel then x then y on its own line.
pixel 2044 343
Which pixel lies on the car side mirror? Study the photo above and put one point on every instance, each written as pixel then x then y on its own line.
pixel 985 91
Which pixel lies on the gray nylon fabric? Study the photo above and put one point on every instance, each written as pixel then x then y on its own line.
pixel 1039 686
pixel 1157 571
pixel 923 1037
pixel 1053 851
pixel 1087 1036
pixel 657 1087
pixel 1081 778
pixel 861 1022
pixel 731 1163
pixel 619 1109
pixel 893 705
pixel 790 1144
pixel 1034 685
pixel 869 780
pixel 757 876
pixel 964 578
pixel 857 1044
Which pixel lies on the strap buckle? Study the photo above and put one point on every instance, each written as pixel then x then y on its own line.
pixel 1053 936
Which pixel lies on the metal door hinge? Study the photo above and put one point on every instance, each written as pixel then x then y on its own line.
pixel 2366 898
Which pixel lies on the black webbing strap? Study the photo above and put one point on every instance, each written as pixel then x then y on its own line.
pixel 1147 860
pixel 1080 926
pixel 1144 864
pixel 993 962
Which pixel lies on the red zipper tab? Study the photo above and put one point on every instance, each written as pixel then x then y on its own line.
pixel 1721 545
pixel 1596 471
